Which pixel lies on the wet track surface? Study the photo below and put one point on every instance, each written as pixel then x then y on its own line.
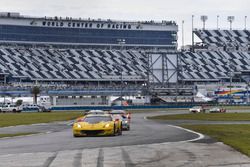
pixel 148 144
pixel 58 137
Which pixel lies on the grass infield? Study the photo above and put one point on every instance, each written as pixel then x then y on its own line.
pixel 13 119
pixel 206 117
pixel 236 136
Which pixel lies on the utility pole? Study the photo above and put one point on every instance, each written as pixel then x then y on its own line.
pixel 182 34
pixel 217 22
pixel 230 19
pixel 245 22
pixel 204 19
pixel 192 33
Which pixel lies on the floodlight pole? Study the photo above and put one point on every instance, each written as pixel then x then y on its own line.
pixel 204 19
pixel 245 22
pixel 230 19
pixel 217 22
pixel 192 33
pixel 182 34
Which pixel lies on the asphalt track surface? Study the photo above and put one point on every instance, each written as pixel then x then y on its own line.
pixel 58 137
pixel 147 144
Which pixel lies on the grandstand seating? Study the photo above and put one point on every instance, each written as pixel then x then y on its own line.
pixel 45 64
pixel 71 64
pixel 58 64
pixel 213 65
pixel 222 38
pixel 226 53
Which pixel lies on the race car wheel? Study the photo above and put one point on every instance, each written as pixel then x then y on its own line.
pixel 114 131
pixel 75 135
pixel 120 130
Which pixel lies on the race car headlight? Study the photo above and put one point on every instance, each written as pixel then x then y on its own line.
pixel 78 125
pixel 106 126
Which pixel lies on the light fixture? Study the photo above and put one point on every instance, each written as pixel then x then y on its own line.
pixel 230 19
pixel 204 19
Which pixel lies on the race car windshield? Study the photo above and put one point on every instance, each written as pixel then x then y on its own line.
pixel 117 112
pixel 116 116
pixel 97 119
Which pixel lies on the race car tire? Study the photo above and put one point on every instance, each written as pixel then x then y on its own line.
pixel 114 131
pixel 120 130
pixel 74 135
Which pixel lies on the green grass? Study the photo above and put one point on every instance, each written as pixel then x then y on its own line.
pixel 206 117
pixel 236 107
pixel 237 136
pixel 11 119
pixel 16 134
pixel 228 108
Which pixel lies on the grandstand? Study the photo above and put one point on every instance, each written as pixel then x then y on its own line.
pixel 42 64
pixel 221 62
pixel 66 56
pixel 79 57
pixel 87 33
pixel 237 39
pixel 226 53
pixel 213 65
pixel 79 50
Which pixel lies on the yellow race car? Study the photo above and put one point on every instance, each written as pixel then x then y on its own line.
pixel 97 125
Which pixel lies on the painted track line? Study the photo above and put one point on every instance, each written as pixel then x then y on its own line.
pixel 200 136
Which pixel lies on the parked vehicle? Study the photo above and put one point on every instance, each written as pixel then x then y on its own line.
pixel 10 108
pixel 36 108
pixel 44 109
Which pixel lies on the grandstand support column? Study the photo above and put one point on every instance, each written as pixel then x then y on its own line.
pixel 179 70
pixel 163 71
pixel 109 100
pixel 148 86
pixel 53 100
pixel 121 42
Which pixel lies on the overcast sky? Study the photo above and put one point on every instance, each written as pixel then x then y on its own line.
pixel 139 10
